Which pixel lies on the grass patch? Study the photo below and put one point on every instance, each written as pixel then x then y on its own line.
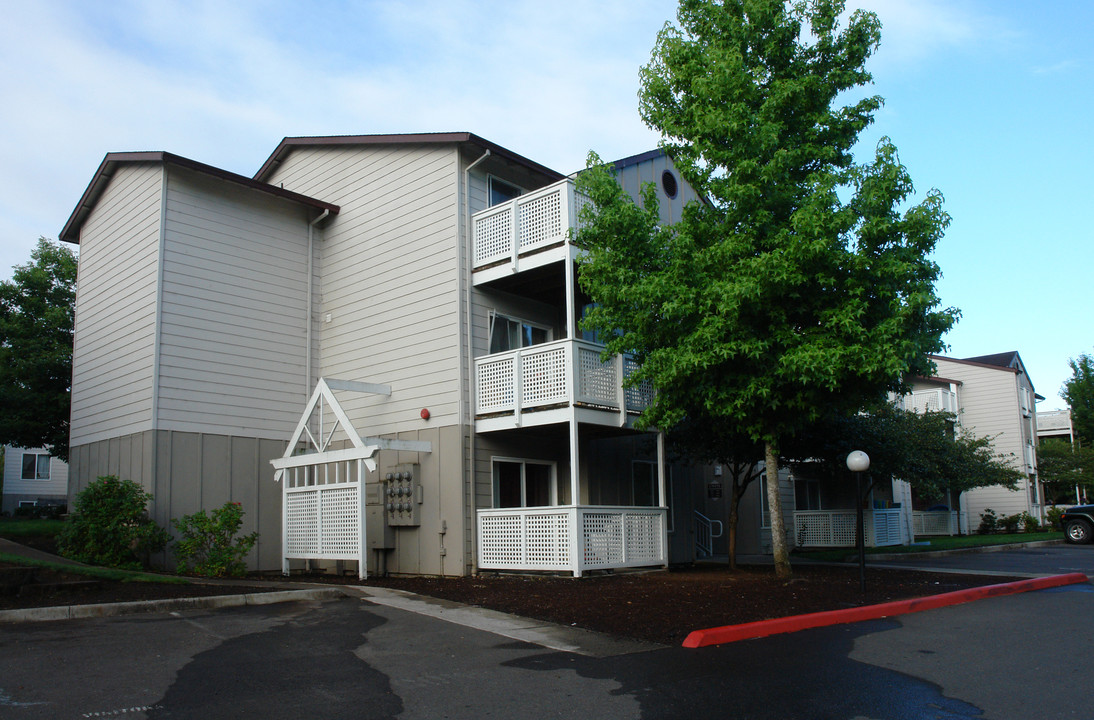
pixel 95 572
pixel 956 542
pixel 18 527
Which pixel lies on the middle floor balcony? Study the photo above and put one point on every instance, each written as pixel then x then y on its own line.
pixel 547 383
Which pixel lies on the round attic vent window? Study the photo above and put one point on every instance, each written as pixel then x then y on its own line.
pixel 668 182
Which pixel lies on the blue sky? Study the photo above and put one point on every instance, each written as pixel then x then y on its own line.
pixel 990 101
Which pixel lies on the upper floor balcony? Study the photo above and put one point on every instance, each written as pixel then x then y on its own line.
pixel 932 400
pixel 544 383
pixel 526 232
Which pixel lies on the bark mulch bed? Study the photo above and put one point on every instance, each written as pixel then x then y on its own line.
pixel 664 607
pixel 659 606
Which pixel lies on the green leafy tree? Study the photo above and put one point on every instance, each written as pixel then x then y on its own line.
pixel 1078 390
pixel 1064 468
pixel 110 526
pixel 923 449
pixel 798 286
pixel 36 320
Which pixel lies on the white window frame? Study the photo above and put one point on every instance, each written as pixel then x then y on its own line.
pixel 37 466
pixel 496 315
pixel 524 462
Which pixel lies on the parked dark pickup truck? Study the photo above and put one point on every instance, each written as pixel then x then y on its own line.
pixel 1078 523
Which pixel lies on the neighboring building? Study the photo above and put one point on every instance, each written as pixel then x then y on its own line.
pixel 991 396
pixel 1055 425
pixel 996 399
pixel 32 477
pixel 430 281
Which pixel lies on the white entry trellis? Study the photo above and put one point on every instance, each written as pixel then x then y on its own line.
pixel 323 498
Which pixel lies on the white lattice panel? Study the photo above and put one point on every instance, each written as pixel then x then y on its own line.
pixel 639 397
pixel 936 522
pixel 643 534
pixel 547 540
pixel 602 539
pixel 341 522
pixel 494 236
pixel 543 377
pixel 501 540
pixel 496 384
pixel 596 380
pixel 540 219
pixel 580 202
pixel 301 523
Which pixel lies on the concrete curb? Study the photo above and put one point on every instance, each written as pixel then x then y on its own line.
pixel 73 612
pixel 764 628
pixel 959 551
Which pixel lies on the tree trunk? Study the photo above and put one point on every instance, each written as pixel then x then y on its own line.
pixel 735 498
pixel 774 504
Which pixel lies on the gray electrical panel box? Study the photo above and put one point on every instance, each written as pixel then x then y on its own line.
pixel 379 534
pixel 403 496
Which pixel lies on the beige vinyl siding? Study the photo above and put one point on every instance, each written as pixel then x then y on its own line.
pixel 234 307
pixel 114 346
pixel 389 266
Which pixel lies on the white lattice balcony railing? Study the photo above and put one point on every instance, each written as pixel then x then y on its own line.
pixel 934 522
pixel 932 400
pixel 836 528
pixel 556 373
pixel 530 222
pixel 571 538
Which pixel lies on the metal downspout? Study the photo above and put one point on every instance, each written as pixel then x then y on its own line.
pixel 465 278
pixel 311 290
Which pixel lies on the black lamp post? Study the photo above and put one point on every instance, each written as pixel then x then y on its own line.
pixel 858 462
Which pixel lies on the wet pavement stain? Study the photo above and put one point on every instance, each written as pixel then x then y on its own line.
pixel 261 674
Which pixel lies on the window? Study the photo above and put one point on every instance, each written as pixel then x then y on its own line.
pixel 501 191
pixel 524 483
pixel 508 333
pixel 668 183
pixel 35 466
pixel 806 494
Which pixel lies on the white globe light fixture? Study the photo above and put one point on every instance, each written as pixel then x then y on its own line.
pixel 858 461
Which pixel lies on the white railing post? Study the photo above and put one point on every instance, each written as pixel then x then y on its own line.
pixel 577 532
pixel 362 539
pixel 518 387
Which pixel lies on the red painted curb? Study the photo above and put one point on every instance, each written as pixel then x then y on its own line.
pixel 763 628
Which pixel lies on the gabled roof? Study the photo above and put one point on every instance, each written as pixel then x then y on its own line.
pixel 71 231
pixel 1008 361
pixel 635 159
pixel 1004 359
pixel 290 143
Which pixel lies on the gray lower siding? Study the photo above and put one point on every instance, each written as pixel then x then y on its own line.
pixel 186 472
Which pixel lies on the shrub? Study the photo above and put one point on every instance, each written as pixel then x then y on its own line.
pixel 110 526
pixel 1030 524
pixel 208 545
pixel 989 523
pixel 1052 517
pixel 1010 523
